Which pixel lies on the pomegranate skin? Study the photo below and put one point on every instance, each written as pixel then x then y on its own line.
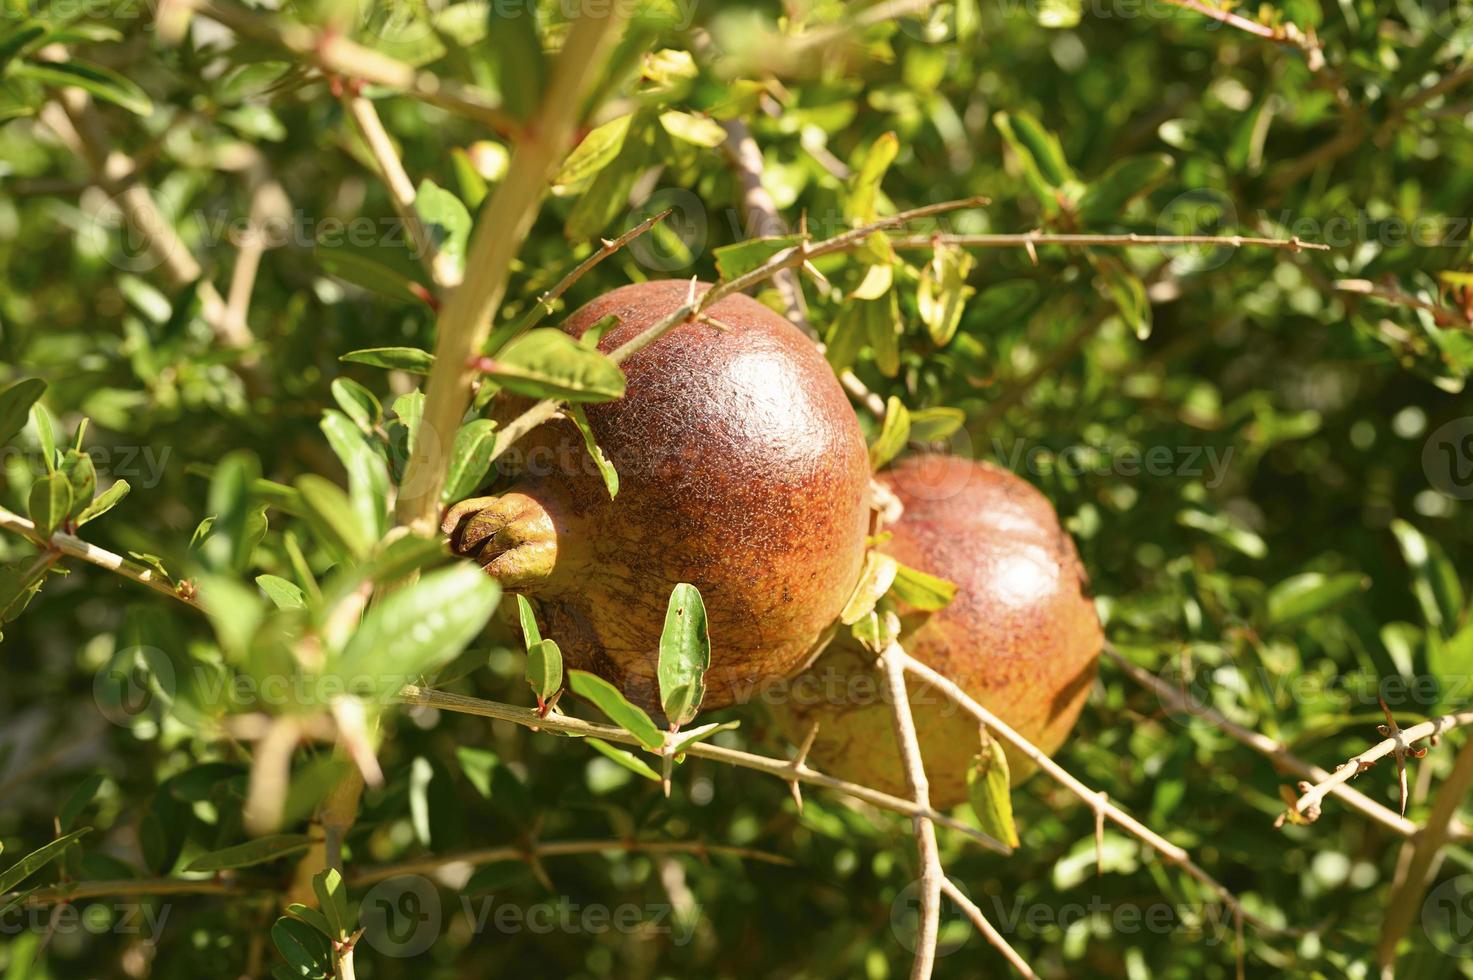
pixel 1021 637
pixel 742 470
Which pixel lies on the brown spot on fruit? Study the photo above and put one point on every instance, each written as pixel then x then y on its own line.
pixel 742 470
pixel 1021 637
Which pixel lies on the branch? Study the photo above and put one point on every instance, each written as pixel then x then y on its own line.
pixel 58 894
pixel 465 320
pixel 788 258
pixel 1287 34
pixel 1407 894
pixel 75 547
pixel 746 158
pixel 1035 238
pixel 1172 853
pixel 1397 742
pixel 892 675
pixel 401 189
pixel 781 768
pixel 987 929
pixel 336 55
pixel 1263 744
pixel 434 862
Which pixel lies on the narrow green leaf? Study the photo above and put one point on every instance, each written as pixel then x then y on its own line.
pixel 531 636
pixel 449 226
pixel 358 403
pixel 989 792
pixel 307 951
pixel 547 363
pixel 516 47
pixel 79 800
pixel 368 473
pixel 894 432
pixel 332 899
pixel 331 515
pixel 15 41
pixel 875 579
pixel 103 502
pixel 286 595
pixel 864 187
pixel 15 406
pixel 1302 596
pixel 470 459
pixel 544 669
pixel 607 698
pixel 81 475
pixel 921 590
pixel 943 292
pixel 626 759
pixel 251 853
pixel 311 916
pixel 410 359
pixel 50 501
pixel 597 150
pixel 595 451
pixel 45 435
pixel 104 83
pixel 690 128
pixel 36 860
pixel 1122 183
pixel 935 424
pixel 685 654
pixel 742 257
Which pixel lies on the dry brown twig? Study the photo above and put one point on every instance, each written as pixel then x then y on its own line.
pixel 1398 743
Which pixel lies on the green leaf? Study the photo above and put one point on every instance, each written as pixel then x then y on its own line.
pixel 421 627
pixel 685 654
pixel 45 435
pixel 371 269
pixel 700 130
pixel 547 363
pixel 894 432
pixel 935 424
pixel 36 860
pixel 1059 14
pixel 612 703
pixel 1434 580
pixel 103 502
pixel 1451 661
pixel 311 916
pixel 15 406
pixel 624 758
pixel 989 792
pixel 921 590
pixel 595 451
pixel 358 403
pixel 531 636
pixel 233 535
pixel 333 517
pixel 79 800
pixel 862 205
pixel 410 359
pixel 1225 529
pixel 104 83
pixel 742 257
pixel 307 951
pixel 1302 596
pixel 332 899
pixel 15 41
pixel 875 579
pixel 1002 302
pixel 1128 292
pixel 470 459
pixel 368 473
pixel 597 150
pixel 286 595
pixel 449 226
pixel 701 733
pixel 50 502
pixel 82 476
pixel 251 853
pixel 544 669
pixel 1122 183
pixel 520 65
pixel 943 292
pixel 883 328
pixel 19 583
pixel 1039 154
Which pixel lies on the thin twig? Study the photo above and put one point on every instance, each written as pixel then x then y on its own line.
pixel 786 259
pixel 987 928
pixel 892 675
pixel 1312 795
pixel 78 890
pixel 781 768
pixel 763 220
pixel 336 55
pixel 1286 34
pixel 489 855
pixel 1172 853
pixel 1036 238
pixel 1264 745
pixel 401 189
pixel 75 547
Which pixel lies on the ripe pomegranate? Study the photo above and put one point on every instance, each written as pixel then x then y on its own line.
pixel 1021 636
pixel 742 470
